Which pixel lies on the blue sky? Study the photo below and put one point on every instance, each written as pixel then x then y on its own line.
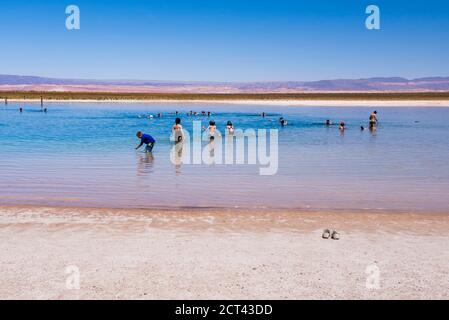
pixel 224 40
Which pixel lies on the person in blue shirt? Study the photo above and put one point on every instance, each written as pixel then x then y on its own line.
pixel 146 139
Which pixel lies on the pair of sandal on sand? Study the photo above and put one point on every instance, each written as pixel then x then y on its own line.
pixel 333 235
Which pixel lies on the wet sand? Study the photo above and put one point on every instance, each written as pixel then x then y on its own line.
pixel 221 254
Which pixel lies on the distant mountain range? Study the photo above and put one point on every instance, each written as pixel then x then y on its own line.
pixel 387 84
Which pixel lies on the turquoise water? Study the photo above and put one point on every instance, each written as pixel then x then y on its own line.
pixel 82 154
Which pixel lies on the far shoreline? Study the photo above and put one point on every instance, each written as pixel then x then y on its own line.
pixel 379 99
pixel 274 103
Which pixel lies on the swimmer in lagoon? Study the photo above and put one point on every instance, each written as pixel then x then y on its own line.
pixel 328 123
pixel 146 139
pixel 373 119
pixel 283 122
pixel 342 126
pixel 230 128
pixel 212 127
pixel 178 133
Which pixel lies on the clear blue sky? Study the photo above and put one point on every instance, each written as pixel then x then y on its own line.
pixel 224 40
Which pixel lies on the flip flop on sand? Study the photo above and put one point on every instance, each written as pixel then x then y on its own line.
pixel 335 235
pixel 326 234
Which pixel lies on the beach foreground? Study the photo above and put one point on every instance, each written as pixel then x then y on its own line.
pixel 191 254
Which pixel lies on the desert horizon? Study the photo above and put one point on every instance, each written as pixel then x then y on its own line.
pixel 375 85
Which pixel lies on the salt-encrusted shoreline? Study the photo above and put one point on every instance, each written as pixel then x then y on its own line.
pixel 220 254
pixel 297 103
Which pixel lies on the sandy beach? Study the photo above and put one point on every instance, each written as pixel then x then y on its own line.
pixel 226 254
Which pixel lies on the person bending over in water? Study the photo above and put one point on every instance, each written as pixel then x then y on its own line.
pixel 373 119
pixel 146 139
pixel 230 127
pixel 177 131
pixel 342 126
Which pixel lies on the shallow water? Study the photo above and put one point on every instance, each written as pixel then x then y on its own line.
pixel 82 154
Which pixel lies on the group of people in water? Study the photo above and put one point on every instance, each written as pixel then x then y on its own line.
pixel 44 110
pixel 177 113
pixel 178 133
pixel 373 120
pixel 21 109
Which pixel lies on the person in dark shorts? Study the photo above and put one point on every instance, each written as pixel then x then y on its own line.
pixel 373 119
pixel 146 139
